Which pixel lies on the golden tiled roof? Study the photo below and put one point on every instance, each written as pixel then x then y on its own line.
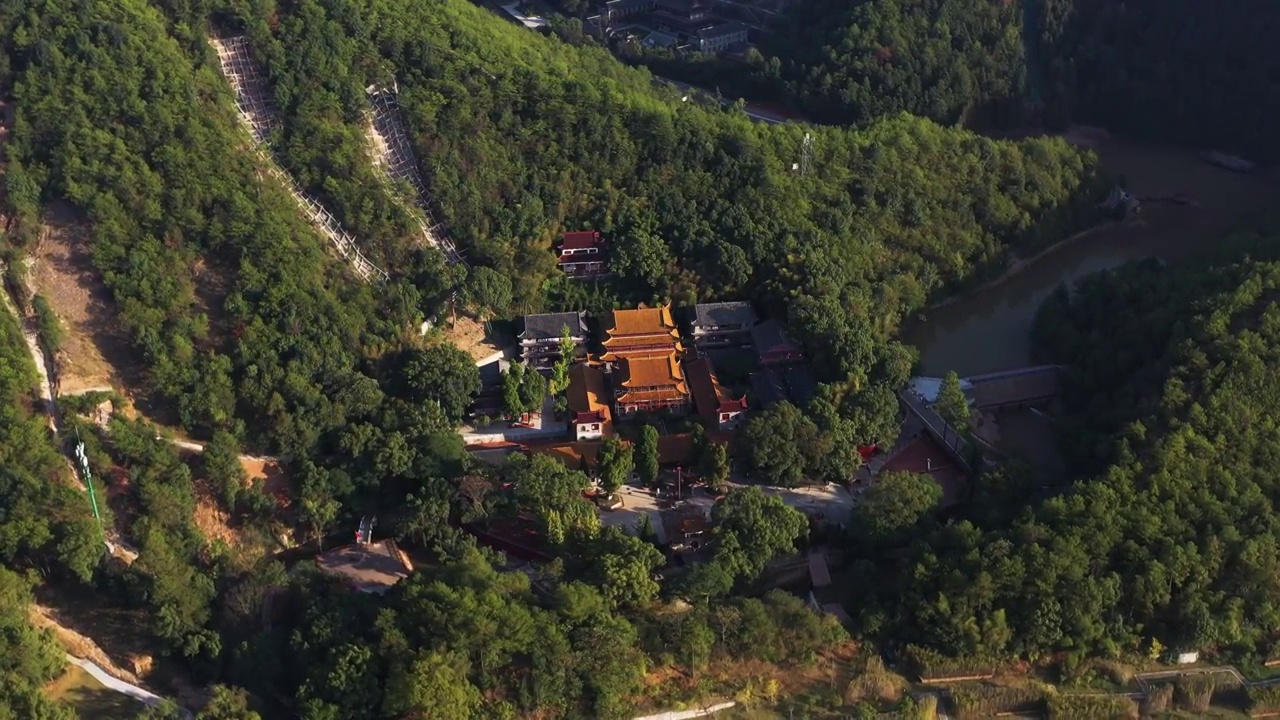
pixel 641 321
pixel 586 389
pixel 640 351
pixel 653 372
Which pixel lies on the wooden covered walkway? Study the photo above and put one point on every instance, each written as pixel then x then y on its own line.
pixel 1016 388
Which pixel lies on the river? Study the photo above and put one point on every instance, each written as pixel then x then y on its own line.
pixel 989 329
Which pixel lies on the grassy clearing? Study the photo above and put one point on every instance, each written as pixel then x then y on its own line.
pixel 90 699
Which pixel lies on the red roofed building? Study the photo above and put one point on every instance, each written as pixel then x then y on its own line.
pixel 713 404
pixel 582 254
pixel 922 455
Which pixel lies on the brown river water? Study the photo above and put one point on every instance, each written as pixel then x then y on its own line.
pixel 989 329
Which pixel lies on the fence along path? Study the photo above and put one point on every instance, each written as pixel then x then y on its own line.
pixel 254 104
pixel 395 154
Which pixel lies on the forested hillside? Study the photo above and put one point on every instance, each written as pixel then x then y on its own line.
pixel 243 319
pixel 525 136
pixel 45 527
pixel 949 60
pixel 1172 538
pixel 1183 71
pixel 522 137
pixel 250 331
pixel 45 523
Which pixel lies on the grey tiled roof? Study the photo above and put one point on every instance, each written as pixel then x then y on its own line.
pixel 725 313
pixel 548 326
pixel 772 336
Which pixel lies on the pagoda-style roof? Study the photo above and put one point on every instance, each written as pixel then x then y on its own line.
pixel 550 326
pixel 653 372
pixel 580 240
pixel 626 324
pixel 585 394
pixel 709 397
pixel 640 351
pixel 666 394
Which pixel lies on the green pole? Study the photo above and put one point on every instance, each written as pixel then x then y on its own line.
pixel 88 481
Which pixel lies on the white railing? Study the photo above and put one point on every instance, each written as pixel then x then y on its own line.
pixel 396 156
pixel 257 112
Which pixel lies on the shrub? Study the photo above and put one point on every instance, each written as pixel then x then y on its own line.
pixel 985 700
pixel 49 327
pixel 1195 693
pixel 1069 707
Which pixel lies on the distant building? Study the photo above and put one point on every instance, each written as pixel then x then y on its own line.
pixel 590 416
pixel 721 325
pixel 582 254
pixel 721 37
pixel 713 404
pixel 774 346
pixel 684 16
pixel 540 339
pixel 619 10
pixel 643 353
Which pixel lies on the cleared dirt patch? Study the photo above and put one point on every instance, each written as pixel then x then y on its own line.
pixel 471 336
pixel 212 521
pixel 83 646
pixel 94 354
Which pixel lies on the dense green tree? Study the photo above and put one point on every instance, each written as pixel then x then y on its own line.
pixel 486 292
pixel 553 494
pixel 317 506
pixel 943 59
pixel 952 404
pixel 646 455
pixel 221 466
pixel 44 521
pixel 568 351
pixel 533 390
pixel 443 374
pixel 622 566
pixel 752 528
pixel 780 444
pixel 893 506
pixel 434 685
pixel 28 657
pixel 228 703
pixel 512 382
pixel 616 461
pixel 715 468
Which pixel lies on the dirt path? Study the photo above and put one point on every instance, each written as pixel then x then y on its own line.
pixel 93 352
pixel 115 546
pixel 37 357
pixel 77 644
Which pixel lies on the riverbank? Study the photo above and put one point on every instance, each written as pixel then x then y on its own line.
pixel 987 329
pixel 1017 265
